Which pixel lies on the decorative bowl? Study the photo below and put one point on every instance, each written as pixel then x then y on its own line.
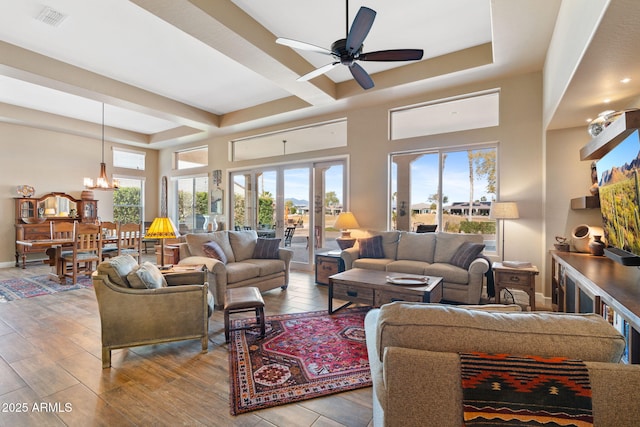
pixel 25 190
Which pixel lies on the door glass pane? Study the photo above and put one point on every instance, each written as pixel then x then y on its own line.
pixel 424 201
pixel 296 212
pixel 324 233
pixel 193 205
pixel 267 195
pixel 242 201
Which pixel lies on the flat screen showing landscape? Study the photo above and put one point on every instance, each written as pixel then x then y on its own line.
pixel 618 187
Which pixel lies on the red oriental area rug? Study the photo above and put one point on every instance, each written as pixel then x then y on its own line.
pixel 302 356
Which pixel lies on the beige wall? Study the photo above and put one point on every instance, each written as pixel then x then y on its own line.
pixel 52 161
pixel 519 136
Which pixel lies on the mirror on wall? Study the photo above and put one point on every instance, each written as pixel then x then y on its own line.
pixel 57 206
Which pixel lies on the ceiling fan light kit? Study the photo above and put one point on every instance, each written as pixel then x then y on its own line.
pixel 349 50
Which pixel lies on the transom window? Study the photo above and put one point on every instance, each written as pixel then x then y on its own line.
pixel 128 159
pixel 193 158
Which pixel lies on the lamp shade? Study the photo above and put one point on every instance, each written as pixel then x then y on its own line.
pixel 504 210
pixel 162 228
pixel 346 220
pixel 50 212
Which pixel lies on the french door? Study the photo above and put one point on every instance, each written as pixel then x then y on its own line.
pixel 296 203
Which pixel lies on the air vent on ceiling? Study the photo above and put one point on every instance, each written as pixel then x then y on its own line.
pixel 51 16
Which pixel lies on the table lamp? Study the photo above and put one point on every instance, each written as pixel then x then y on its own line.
pixel 504 210
pixel 162 228
pixel 344 222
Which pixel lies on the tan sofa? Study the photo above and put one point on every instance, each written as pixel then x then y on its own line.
pixel 241 269
pixel 413 351
pixel 429 254
pixel 133 314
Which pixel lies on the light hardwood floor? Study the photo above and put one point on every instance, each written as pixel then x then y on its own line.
pixel 50 358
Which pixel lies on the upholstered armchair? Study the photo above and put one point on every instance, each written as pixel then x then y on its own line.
pixel 139 308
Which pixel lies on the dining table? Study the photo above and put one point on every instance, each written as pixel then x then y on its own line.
pixel 54 252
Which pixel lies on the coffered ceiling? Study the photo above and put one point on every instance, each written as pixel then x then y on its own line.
pixel 177 71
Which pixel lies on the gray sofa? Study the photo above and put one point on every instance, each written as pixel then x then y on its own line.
pixel 415 364
pixel 241 268
pixel 429 254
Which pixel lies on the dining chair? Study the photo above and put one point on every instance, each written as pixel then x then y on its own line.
pixel 62 230
pixel 288 235
pixel 130 240
pixel 109 239
pixel 87 249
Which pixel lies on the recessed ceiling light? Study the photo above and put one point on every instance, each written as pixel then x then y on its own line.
pixel 589 120
pixel 606 101
pixel 625 80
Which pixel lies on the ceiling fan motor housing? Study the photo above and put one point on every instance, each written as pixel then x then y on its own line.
pixel 339 49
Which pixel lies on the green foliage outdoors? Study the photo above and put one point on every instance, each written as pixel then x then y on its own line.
pixel 185 204
pixel 127 205
pixel 266 209
pixel 477 227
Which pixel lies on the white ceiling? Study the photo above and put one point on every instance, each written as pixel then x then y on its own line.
pixel 176 71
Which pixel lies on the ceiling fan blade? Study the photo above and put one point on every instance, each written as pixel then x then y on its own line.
pixel 302 45
pixel 360 28
pixel 361 76
pixel 317 72
pixel 392 55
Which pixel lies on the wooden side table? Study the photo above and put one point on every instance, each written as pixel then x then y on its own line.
pixel 327 264
pixel 516 278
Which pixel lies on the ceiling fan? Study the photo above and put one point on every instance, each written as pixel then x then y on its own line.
pixel 349 50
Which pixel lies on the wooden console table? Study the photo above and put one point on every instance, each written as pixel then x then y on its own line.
pixel 583 283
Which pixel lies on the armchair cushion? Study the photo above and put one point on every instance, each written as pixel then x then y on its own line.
pixel 466 253
pixel 117 269
pixel 213 250
pixel 146 276
pixel 371 247
pixel 266 248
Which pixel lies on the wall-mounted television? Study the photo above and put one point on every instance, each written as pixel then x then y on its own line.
pixel 620 201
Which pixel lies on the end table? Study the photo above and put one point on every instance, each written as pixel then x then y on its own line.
pixel 327 264
pixel 516 278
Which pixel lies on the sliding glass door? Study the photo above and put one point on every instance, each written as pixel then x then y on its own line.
pixel 296 203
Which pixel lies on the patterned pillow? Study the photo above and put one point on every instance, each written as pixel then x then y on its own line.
pixel 266 248
pixel 371 247
pixel 147 276
pixel 465 254
pixel 214 250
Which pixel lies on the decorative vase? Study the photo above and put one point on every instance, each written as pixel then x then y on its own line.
pixel 213 225
pixel 86 195
pixel 596 247
pixel 583 234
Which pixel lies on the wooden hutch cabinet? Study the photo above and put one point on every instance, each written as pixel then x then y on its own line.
pixel 33 217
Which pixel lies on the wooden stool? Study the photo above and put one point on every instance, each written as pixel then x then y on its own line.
pixel 238 300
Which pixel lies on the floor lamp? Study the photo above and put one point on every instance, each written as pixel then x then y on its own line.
pixel 162 228
pixel 502 211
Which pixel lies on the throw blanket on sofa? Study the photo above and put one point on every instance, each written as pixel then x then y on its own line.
pixel 506 390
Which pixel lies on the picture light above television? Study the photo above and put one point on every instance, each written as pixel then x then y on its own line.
pixel 618 183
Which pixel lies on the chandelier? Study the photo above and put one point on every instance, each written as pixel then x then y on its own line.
pixel 102 182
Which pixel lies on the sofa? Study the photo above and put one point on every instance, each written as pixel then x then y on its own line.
pixel 238 259
pixel 414 348
pixel 138 305
pixel 454 257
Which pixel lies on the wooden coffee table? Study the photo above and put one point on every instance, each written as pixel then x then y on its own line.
pixel 362 286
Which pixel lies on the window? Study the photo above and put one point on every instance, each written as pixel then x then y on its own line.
pixel 194 158
pixel 453 115
pixel 128 201
pixel 192 204
pixel 128 159
pixel 452 188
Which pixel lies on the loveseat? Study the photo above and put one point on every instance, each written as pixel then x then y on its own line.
pixel 237 258
pixel 415 363
pixel 452 256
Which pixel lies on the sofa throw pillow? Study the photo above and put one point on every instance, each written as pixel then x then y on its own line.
pixel 371 247
pixel 465 254
pixel 213 250
pixel 266 248
pixel 147 276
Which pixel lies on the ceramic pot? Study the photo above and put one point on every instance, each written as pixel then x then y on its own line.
pixel 596 247
pixel 583 234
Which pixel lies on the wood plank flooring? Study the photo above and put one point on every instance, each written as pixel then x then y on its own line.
pixel 51 374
